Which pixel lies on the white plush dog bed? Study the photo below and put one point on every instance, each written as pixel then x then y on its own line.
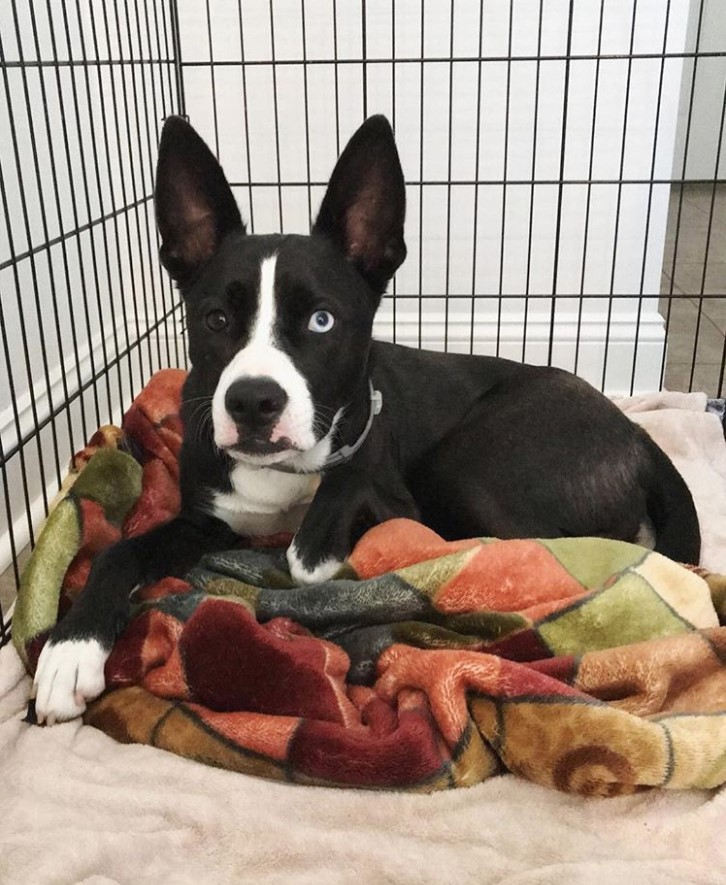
pixel 77 807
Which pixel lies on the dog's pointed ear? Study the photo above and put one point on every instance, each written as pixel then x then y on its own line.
pixel 365 204
pixel 194 204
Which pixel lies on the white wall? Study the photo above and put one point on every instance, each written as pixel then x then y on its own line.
pixel 484 252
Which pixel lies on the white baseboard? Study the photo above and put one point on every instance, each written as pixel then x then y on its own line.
pixel 590 344
pixel 37 405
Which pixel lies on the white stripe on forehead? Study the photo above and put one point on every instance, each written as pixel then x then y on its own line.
pixel 264 356
pixel 264 327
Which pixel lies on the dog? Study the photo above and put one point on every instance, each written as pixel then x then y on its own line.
pixel 296 420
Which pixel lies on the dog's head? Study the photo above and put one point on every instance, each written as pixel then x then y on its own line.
pixel 279 327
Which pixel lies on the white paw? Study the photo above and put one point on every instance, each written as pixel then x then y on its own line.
pixel 323 571
pixel 69 674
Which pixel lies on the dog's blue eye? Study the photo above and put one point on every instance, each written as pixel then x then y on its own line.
pixel 321 321
pixel 216 320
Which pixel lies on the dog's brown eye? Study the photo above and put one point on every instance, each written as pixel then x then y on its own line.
pixel 216 320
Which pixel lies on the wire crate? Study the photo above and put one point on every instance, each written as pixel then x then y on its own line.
pixel 565 187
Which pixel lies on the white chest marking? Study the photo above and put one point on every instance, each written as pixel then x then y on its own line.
pixel 264 502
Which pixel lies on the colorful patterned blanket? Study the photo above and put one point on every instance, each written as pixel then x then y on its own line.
pixel 588 665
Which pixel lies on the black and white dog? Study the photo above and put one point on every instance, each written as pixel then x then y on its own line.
pixel 295 420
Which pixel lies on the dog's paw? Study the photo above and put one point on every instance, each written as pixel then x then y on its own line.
pixel 318 574
pixel 69 674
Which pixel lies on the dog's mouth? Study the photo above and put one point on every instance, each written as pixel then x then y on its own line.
pixel 257 446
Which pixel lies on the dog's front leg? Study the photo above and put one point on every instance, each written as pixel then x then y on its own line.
pixel 70 667
pixel 347 504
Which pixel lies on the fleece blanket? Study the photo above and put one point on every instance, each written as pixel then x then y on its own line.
pixel 588 665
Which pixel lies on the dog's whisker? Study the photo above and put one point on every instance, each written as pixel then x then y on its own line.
pixel 206 426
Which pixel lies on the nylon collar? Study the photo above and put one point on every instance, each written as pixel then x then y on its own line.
pixel 344 454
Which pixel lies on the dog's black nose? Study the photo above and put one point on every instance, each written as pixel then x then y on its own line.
pixel 255 402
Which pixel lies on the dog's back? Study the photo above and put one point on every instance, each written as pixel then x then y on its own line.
pixel 511 450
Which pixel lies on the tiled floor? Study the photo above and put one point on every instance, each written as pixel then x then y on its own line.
pixel 697 324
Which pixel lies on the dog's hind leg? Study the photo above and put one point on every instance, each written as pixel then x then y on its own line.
pixel 70 669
